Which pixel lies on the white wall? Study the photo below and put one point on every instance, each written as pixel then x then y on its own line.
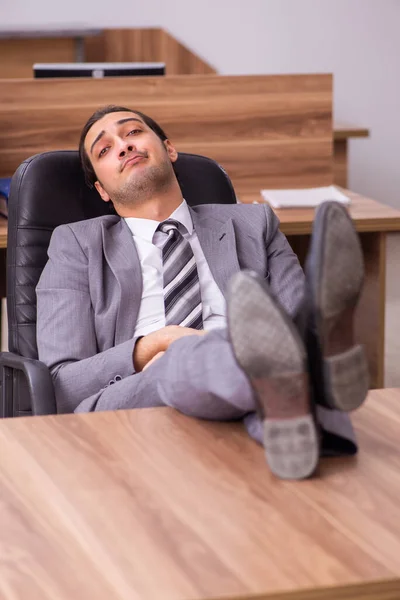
pixel 357 40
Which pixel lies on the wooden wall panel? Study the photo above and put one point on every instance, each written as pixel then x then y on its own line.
pixel 179 59
pixel 254 166
pixel 17 56
pixel 125 45
pixel 147 45
pixel 267 131
pixel 160 89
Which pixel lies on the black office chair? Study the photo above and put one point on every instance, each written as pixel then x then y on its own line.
pixel 48 190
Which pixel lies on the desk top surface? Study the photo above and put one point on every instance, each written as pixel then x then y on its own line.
pixel 368 215
pixel 151 504
pixel 342 131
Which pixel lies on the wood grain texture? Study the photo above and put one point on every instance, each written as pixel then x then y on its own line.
pixel 341 134
pixel 340 162
pixel 370 314
pixel 17 56
pixel 3 232
pixel 265 130
pixel 94 506
pixel 125 45
pixel 145 45
pixel 381 590
pixel 368 215
pixel 181 60
pixel 343 131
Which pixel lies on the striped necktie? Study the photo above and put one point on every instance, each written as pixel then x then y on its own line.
pixel 182 297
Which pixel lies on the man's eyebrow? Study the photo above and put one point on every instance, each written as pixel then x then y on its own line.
pixel 120 122
pixel 96 140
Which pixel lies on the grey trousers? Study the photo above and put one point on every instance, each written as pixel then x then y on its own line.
pixel 199 376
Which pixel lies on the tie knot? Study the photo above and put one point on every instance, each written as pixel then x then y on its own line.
pixel 168 225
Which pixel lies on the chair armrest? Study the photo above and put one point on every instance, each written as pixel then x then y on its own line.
pixel 38 378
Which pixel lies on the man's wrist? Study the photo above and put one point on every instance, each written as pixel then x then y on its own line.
pixel 146 347
pixel 136 354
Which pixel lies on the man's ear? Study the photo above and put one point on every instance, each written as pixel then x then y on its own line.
pixel 102 191
pixel 172 153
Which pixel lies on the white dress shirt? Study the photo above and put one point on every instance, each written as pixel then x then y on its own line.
pixel 152 313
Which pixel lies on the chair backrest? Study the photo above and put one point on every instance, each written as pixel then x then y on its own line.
pixel 48 190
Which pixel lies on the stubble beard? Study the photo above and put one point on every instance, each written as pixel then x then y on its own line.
pixel 141 187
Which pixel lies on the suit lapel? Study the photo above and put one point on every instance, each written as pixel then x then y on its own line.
pixel 217 240
pixel 122 257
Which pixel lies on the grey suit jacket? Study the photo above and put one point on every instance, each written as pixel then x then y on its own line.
pixel 89 294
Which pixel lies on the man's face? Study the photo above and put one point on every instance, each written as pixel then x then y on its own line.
pixel 131 163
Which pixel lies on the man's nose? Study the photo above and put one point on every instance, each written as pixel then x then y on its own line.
pixel 125 147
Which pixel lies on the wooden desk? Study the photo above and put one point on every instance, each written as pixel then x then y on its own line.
pixel 341 134
pixel 373 221
pixel 151 504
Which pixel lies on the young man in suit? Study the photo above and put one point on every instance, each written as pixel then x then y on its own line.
pixel 204 309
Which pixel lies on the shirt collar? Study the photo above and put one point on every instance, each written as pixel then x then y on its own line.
pixel 145 228
pixel 182 214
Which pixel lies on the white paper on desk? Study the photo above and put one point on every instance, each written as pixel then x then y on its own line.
pixel 307 198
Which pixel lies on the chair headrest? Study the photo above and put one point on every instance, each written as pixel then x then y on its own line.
pixel 48 189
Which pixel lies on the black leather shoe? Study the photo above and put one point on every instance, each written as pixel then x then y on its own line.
pixel 334 278
pixel 271 353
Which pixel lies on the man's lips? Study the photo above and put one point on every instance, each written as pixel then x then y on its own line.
pixel 133 160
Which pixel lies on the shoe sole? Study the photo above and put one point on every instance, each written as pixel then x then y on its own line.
pixel 270 352
pixel 335 274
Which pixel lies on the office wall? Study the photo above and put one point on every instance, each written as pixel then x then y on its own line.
pixel 357 40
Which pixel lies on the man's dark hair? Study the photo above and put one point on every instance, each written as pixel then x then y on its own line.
pixel 90 175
